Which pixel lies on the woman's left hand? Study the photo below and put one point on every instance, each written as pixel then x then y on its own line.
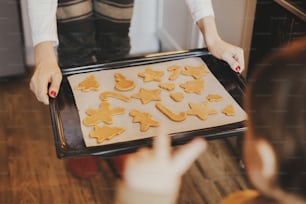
pixel 231 54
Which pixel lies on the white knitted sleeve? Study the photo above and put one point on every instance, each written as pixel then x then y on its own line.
pixel 200 8
pixel 42 15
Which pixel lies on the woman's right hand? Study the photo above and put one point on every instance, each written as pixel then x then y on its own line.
pixel 46 72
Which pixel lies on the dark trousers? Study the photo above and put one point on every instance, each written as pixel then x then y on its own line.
pixel 93 32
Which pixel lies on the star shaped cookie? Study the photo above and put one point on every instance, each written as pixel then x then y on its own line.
pixel 151 75
pixel 145 120
pixel 195 71
pixel 90 83
pixel 194 86
pixel 105 133
pixel 146 95
pixel 103 114
pixel 201 110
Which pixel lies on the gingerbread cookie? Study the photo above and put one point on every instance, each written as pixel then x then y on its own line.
pixel 151 75
pixel 145 120
pixel 177 96
pixel 103 114
pixel 214 98
pixel 89 84
pixel 167 112
pixel 123 84
pixel 105 133
pixel 201 110
pixel 229 110
pixel 176 71
pixel 146 95
pixel 106 94
pixel 196 72
pixel 194 86
pixel 167 86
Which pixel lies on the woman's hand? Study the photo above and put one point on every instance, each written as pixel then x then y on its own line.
pixel 231 54
pixel 157 170
pixel 47 77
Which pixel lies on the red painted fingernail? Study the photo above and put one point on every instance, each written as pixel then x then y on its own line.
pixel 237 68
pixel 53 93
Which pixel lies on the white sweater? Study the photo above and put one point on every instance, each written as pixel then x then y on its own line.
pixel 42 14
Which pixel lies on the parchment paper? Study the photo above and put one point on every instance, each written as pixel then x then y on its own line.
pixel 85 100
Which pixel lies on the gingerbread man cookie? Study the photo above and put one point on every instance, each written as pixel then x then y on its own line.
pixel 145 120
pixel 103 114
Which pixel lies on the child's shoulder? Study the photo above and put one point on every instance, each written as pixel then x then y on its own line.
pixel 247 197
pixel 241 197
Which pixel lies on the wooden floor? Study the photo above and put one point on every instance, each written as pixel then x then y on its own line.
pixel 30 172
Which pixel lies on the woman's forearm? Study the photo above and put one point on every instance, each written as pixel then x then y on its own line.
pixel 44 53
pixel 208 27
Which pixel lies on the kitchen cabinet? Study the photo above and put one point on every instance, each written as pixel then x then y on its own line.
pixel 11 43
pixel 276 23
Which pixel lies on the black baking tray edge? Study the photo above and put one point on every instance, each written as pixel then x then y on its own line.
pixel 66 123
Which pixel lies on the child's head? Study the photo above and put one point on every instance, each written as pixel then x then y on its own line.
pixel 275 143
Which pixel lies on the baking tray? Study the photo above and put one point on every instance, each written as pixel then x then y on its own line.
pixel 66 122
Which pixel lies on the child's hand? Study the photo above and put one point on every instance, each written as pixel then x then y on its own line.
pixel 157 170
